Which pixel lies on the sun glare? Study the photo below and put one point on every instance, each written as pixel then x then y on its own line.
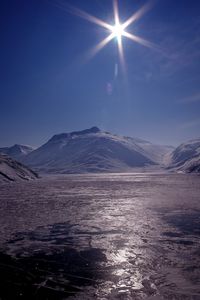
pixel 118 31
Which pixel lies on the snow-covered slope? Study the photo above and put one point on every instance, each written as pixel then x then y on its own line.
pixel 186 157
pixel 11 170
pixel 17 151
pixel 156 153
pixel 92 150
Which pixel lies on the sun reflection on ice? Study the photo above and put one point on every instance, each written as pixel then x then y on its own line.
pixel 130 278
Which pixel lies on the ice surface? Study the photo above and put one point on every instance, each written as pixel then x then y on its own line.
pixel 107 236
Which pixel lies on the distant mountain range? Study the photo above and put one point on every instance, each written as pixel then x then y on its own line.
pixel 94 150
pixel 11 170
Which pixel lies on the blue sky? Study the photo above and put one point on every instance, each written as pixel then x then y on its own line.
pixel 48 85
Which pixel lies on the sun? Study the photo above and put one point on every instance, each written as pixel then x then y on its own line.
pixel 118 31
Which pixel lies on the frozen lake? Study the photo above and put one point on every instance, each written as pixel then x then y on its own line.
pixel 108 236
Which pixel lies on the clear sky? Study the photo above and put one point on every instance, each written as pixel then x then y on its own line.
pixel 48 85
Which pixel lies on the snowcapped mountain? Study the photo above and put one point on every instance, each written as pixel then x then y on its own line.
pixel 186 157
pixel 11 170
pixel 93 150
pixel 16 151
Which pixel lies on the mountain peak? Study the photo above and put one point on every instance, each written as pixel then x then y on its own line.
pixel 62 136
pixel 16 151
pixel 18 146
pixel 93 129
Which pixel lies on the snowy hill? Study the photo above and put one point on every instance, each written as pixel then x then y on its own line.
pixel 93 150
pixel 11 170
pixel 186 157
pixel 16 151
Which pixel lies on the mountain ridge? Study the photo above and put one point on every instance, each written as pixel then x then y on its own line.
pixel 94 150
